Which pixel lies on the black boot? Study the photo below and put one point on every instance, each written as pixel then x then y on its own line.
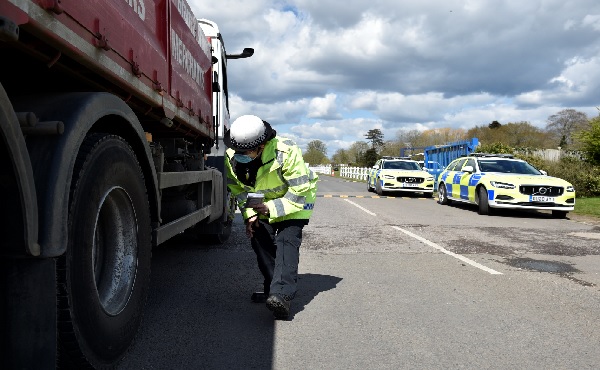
pixel 280 305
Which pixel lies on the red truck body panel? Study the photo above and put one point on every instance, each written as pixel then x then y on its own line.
pixel 153 49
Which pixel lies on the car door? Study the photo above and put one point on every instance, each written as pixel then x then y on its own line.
pixel 454 177
pixel 468 180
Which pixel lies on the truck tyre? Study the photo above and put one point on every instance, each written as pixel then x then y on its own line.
pixel 224 227
pixel 104 275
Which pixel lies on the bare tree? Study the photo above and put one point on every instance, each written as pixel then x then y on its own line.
pixel 563 125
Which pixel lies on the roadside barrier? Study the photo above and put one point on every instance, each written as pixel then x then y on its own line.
pixel 359 173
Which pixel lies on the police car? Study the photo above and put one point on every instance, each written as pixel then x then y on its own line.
pixel 500 181
pixel 396 174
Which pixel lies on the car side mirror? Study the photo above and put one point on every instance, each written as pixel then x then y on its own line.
pixel 544 172
pixel 468 169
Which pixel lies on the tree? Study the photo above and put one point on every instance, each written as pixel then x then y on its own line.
pixel 513 134
pixel 376 137
pixel 391 148
pixel 495 148
pixel 564 125
pixel 342 156
pixel 317 145
pixel 495 125
pixel 524 135
pixel 436 136
pixel 410 138
pixel 486 135
pixel 590 140
pixel 357 152
pixel 369 158
pixel 316 153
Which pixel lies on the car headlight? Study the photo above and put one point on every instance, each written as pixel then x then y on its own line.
pixel 389 177
pixel 570 189
pixel 502 185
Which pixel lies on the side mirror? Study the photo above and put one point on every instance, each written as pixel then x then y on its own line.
pixel 246 53
pixel 544 172
pixel 468 169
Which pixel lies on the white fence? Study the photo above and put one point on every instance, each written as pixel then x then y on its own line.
pixel 321 169
pixel 552 155
pixel 360 173
pixel 345 171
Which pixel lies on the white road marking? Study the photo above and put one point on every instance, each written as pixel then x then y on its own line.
pixel 458 256
pixel 364 209
pixel 432 244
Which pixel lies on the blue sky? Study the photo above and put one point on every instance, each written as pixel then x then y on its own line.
pixel 331 71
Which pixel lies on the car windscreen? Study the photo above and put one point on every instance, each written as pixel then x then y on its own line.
pixel 505 166
pixel 401 166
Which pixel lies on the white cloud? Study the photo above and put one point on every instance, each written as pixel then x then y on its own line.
pixel 592 21
pixel 330 71
pixel 323 108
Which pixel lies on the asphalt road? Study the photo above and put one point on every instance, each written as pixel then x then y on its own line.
pixel 385 283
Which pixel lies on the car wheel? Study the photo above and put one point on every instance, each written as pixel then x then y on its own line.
pixel 443 195
pixel 378 189
pixel 559 214
pixel 484 206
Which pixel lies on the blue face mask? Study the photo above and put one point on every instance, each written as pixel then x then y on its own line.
pixel 242 158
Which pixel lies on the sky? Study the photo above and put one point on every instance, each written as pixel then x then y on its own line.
pixel 332 70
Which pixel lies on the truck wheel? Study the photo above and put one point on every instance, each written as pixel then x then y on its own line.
pixel 219 238
pixel 104 275
pixel 224 228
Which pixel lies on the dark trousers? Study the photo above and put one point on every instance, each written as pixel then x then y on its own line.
pixel 277 248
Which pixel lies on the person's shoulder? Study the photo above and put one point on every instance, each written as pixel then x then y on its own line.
pixel 284 144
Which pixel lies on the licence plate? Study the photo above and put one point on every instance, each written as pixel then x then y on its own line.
pixel 410 185
pixel 539 198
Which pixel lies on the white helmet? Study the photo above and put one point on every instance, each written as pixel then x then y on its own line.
pixel 247 132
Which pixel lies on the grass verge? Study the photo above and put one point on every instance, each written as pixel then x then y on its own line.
pixel 587 206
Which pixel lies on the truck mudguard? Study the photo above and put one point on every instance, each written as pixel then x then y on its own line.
pixel 19 216
pixel 53 156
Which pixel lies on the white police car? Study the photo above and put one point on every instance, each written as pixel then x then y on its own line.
pixel 500 181
pixel 395 174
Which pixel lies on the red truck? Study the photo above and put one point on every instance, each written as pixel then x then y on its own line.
pixel 111 119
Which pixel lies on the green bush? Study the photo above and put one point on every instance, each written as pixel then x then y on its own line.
pixel 496 148
pixel 584 176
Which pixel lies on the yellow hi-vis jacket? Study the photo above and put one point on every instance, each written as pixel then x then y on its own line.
pixel 289 186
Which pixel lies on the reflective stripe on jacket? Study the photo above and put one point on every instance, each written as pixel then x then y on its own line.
pixel 289 186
